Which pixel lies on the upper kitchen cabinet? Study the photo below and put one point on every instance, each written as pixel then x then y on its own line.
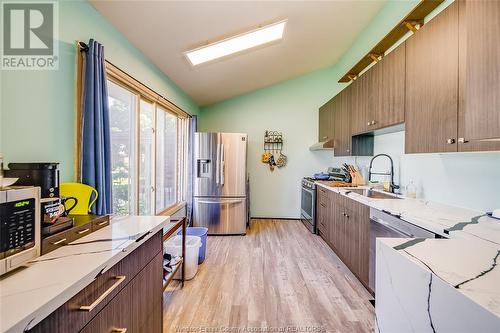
pixel 341 123
pixel 379 92
pixel 325 123
pixel 479 73
pixel 432 85
pixel 359 105
pixel 391 90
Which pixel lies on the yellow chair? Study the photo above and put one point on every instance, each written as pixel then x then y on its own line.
pixel 83 193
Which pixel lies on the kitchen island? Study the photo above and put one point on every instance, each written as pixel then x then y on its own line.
pixel 449 284
pixel 72 288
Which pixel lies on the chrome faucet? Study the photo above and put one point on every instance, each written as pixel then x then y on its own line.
pixel 392 186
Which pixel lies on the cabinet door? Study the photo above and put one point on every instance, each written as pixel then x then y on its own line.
pixel 358 221
pixel 339 237
pixel 147 297
pixel 325 123
pixel 479 84
pixel 390 110
pixel 432 85
pixel 321 210
pixel 358 107
pixel 341 124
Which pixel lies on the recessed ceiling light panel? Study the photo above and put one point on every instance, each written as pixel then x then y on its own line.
pixel 231 45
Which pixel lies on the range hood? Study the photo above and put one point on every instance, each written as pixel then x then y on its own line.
pixel 322 145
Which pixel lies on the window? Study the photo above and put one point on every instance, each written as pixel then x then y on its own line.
pixel 122 122
pixel 166 166
pixel 146 157
pixel 148 146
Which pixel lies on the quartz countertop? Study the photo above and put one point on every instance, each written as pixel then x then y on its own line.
pixel 468 265
pixel 30 294
pixel 444 220
pixel 466 261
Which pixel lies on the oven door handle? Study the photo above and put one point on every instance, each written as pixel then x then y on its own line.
pixel 389 226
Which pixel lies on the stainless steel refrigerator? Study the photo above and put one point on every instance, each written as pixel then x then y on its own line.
pixel 220 196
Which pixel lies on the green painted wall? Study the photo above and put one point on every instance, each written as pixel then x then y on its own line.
pixel 292 107
pixel 37 120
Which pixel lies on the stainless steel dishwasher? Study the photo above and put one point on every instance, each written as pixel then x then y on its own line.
pixel 385 225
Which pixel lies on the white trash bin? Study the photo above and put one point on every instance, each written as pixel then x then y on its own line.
pixel 173 246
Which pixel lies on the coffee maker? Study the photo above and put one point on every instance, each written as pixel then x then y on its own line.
pixel 42 174
pixel 46 176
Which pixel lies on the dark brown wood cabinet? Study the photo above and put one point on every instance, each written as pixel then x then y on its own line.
pixel 126 296
pixel 453 81
pixel 432 85
pixel 391 90
pixel 479 76
pixel 322 212
pixel 443 82
pixel 344 224
pixel 358 106
pixel 379 94
pixel 325 123
pixel 358 227
pixel 341 124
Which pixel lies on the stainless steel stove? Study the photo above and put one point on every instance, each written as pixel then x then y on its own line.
pixel 308 197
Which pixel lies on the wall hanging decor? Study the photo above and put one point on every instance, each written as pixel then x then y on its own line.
pixel 273 150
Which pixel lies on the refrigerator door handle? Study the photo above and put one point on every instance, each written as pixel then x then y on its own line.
pixel 222 161
pixel 220 202
pixel 217 165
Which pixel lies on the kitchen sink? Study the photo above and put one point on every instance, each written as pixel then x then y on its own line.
pixel 373 194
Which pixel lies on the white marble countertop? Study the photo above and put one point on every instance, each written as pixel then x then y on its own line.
pixel 444 220
pixel 468 265
pixel 467 260
pixel 30 294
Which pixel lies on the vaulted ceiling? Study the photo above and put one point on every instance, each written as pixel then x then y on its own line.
pixel 316 36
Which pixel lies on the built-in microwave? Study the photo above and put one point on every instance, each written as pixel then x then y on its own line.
pixel 19 226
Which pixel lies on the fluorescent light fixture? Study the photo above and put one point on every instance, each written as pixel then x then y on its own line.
pixel 237 43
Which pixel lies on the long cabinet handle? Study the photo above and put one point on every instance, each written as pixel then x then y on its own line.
pixel 102 223
pixel 62 240
pixel 88 308
pixel 119 330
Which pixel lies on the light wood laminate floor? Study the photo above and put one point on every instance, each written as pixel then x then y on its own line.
pixel 277 276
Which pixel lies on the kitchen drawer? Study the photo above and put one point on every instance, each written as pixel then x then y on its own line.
pixel 64 237
pixel 84 225
pixel 137 308
pixel 69 318
pixel 100 222
pixel 115 317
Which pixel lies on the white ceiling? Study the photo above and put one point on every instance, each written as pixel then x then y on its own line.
pixel 316 36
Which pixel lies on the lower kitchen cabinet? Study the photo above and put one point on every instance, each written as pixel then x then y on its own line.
pixel 358 227
pixel 344 224
pixel 322 212
pixel 126 298
pixel 136 306
pixel 115 317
